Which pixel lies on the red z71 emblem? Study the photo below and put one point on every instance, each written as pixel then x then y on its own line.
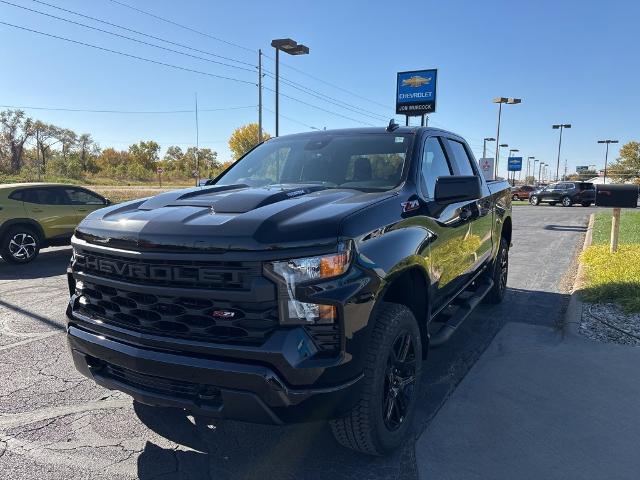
pixel 410 205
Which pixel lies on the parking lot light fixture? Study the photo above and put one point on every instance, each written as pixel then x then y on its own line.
pixel 291 47
pixel 560 126
pixel 484 146
pixel 500 101
pixel 528 168
pixel 606 157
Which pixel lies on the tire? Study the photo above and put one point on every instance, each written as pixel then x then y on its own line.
pixel 586 204
pixel 20 245
pixel 534 200
pixel 515 197
pixel 566 201
pixel 499 273
pixel 389 385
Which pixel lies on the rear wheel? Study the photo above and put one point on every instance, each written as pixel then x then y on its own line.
pixel 515 197
pixel 566 201
pixel 380 420
pixel 20 245
pixel 534 200
pixel 499 274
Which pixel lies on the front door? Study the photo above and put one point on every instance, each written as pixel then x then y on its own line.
pixel 47 206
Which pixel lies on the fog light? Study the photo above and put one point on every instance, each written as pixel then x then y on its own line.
pixel 311 312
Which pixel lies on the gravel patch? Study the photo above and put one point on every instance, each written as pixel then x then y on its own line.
pixel 605 322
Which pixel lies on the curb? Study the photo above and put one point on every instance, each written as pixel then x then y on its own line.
pixel 573 316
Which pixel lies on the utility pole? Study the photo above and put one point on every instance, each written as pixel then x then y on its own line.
pixel 197 175
pixel 606 157
pixel 260 95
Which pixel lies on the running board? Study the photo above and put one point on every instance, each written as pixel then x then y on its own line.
pixel 457 312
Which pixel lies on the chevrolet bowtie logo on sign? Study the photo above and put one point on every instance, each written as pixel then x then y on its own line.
pixel 416 92
pixel 416 81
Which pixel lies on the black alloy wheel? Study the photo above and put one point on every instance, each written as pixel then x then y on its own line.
pixel 399 385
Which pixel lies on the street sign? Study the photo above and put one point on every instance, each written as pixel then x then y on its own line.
pixel 486 166
pixel 416 92
pixel 159 170
pixel 515 164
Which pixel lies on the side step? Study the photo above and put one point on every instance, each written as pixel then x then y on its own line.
pixel 457 312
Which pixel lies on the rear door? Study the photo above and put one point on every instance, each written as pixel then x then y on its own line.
pixel 481 210
pixel 48 206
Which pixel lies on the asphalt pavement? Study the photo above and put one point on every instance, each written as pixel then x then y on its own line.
pixel 55 424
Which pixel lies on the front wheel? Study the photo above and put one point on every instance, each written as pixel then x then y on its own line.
pixel 499 274
pixel 380 420
pixel 20 245
pixel 515 197
pixel 534 200
pixel 566 201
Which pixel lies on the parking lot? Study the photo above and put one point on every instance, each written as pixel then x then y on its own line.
pixel 56 424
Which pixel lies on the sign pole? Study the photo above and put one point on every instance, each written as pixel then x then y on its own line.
pixel 615 230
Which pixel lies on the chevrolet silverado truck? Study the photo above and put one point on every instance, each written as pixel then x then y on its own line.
pixel 308 281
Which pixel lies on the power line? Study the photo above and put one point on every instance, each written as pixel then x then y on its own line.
pixel 126 37
pixel 327 83
pixel 143 112
pixel 320 108
pixel 328 99
pixel 157 62
pixel 293 119
pixel 137 32
pixel 157 17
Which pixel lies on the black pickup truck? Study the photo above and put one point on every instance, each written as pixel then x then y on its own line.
pixel 308 281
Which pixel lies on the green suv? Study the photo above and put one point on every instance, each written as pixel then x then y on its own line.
pixel 38 215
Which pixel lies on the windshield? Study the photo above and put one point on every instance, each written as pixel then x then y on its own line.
pixel 360 161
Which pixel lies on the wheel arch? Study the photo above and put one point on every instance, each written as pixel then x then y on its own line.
pixel 16 222
pixel 507 230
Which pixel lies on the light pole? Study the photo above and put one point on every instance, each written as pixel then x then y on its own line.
pixel 560 126
pixel 540 172
pixel 484 146
pixel 500 101
pixel 513 150
pixel 528 165
pixel 292 48
pixel 502 145
pixel 606 157
pixel 534 171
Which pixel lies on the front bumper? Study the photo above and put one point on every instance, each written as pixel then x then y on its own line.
pixel 208 387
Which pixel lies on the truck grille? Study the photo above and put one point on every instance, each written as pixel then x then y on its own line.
pixel 179 317
pixel 210 275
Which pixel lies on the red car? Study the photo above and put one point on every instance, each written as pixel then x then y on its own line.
pixel 522 192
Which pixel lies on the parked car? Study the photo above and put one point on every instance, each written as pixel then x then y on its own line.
pixel 522 192
pixel 37 215
pixel 565 193
pixel 307 283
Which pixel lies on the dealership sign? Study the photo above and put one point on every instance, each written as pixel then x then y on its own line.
pixel 416 92
pixel 486 166
pixel 515 164
pixel 582 169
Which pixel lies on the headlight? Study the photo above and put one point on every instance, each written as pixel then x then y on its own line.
pixel 300 270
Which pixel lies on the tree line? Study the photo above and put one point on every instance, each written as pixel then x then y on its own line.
pixel 32 149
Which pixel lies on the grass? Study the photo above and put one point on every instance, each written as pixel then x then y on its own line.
pixel 123 194
pixel 614 278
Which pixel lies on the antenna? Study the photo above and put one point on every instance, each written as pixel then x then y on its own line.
pixel 392 126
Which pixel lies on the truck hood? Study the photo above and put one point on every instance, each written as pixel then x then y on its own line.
pixel 233 217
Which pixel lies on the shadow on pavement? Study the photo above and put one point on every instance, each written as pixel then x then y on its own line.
pixel 49 263
pixel 229 449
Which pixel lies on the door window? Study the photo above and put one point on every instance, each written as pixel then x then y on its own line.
pixel 83 197
pixel 461 158
pixel 434 164
pixel 44 196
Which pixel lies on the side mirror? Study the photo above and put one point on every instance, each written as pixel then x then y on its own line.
pixel 107 201
pixel 457 188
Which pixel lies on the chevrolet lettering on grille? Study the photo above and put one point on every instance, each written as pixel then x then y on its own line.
pixel 143 271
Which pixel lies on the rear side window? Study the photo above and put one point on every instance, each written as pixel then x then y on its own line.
pixel 44 196
pixel 82 197
pixel 17 195
pixel 434 164
pixel 461 158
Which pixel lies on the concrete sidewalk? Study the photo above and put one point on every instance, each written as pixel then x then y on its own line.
pixel 539 406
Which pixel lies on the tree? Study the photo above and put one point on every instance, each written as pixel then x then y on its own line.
pixel 145 154
pixel 244 139
pixel 16 130
pixel 68 139
pixel 627 167
pixel 85 144
pixel 43 133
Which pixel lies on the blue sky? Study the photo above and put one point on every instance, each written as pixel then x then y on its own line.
pixel 570 61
